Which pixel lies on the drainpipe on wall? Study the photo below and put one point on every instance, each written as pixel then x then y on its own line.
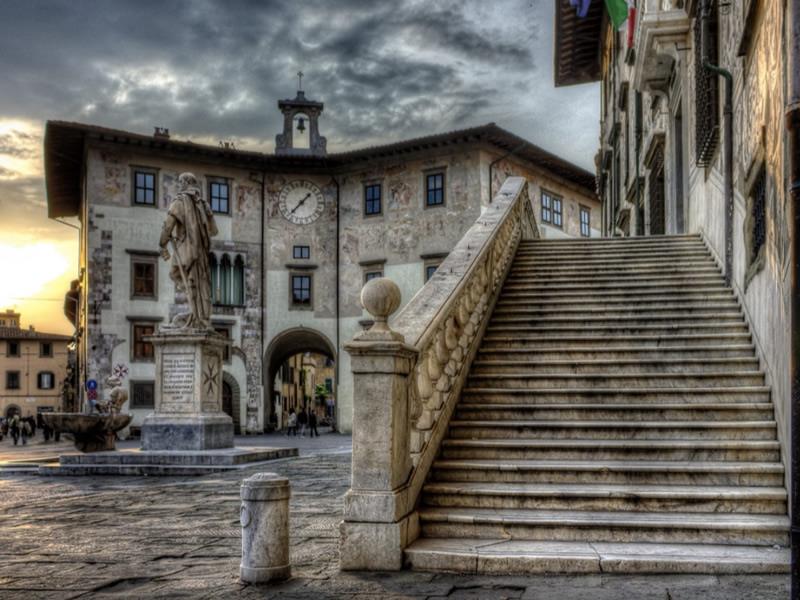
pixel 494 162
pixel 267 395
pixel 638 152
pixel 793 131
pixel 338 342
pixel 727 142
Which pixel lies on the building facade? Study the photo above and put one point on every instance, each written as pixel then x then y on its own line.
pixel 33 367
pixel 665 139
pixel 300 231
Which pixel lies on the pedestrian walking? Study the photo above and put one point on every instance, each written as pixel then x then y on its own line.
pixel 291 423
pixel 302 420
pixel 312 423
pixel 25 431
pixel 13 427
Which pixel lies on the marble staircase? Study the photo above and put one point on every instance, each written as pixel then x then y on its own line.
pixel 615 418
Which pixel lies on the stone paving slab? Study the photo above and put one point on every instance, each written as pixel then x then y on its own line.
pixel 179 537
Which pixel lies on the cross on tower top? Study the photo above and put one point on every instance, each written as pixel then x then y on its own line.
pixel 299 80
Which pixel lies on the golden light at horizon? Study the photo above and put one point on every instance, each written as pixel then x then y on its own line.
pixel 30 267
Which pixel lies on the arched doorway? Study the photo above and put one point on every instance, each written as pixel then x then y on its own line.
pixel 12 410
pixel 231 396
pixel 293 354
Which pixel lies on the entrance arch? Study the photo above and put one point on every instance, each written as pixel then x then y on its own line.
pixel 231 395
pixel 12 410
pixel 286 344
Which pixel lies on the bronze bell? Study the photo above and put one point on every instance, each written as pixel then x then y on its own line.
pixel 301 124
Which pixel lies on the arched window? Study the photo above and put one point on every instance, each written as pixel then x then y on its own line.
pixel 214 267
pixel 225 268
pixel 238 280
pixel 45 380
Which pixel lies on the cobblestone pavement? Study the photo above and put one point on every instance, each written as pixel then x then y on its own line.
pixel 179 537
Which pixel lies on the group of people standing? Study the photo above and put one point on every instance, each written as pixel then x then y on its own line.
pixel 21 429
pixel 304 418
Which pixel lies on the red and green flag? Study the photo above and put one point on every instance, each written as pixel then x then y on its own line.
pixel 619 10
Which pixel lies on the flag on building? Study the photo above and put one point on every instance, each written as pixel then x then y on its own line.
pixel 581 7
pixel 618 10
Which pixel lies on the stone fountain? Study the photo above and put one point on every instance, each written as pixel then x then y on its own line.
pixel 95 432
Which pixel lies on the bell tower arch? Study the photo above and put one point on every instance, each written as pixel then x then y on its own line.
pixel 296 112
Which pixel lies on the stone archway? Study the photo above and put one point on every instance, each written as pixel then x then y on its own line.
pixel 235 406
pixel 287 344
pixel 13 409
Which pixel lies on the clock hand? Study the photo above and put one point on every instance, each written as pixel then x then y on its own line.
pixel 299 204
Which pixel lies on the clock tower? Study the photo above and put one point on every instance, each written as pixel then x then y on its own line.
pixel 295 113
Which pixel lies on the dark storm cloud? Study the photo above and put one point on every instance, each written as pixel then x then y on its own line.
pixel 215 69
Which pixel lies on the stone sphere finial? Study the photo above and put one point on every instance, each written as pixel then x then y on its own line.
pixel 381 298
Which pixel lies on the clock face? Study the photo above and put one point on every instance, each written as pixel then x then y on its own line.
pixel 301 202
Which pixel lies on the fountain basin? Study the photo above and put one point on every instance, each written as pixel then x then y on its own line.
pixel 93 433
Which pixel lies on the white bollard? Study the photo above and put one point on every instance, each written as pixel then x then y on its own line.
pixel 265 528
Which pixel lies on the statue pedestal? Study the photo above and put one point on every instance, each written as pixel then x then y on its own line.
pixel 188 393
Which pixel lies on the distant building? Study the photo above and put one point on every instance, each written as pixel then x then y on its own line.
pixel 300 232
pixel 33 367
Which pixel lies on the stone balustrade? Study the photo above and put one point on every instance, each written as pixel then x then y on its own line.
pixel 408 377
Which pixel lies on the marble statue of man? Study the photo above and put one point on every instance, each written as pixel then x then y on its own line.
pixel 187 231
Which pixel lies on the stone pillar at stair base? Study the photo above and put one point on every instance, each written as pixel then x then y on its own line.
pixel 188 393
pixel 377 525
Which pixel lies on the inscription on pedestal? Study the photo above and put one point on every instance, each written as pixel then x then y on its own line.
pixel 177 383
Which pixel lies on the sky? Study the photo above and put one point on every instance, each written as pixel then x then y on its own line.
pixel 214 70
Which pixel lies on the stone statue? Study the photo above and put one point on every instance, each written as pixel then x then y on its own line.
pixel 188 229
pixel 118 397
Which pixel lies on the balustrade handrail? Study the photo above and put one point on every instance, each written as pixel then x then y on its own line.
pixel 445 320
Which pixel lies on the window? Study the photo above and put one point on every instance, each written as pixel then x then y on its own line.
pixel 329 385
pixel 551 209
pixel 301 252
pixel 142 394
pixel 144 187
pixel 585 222
pixel 430 270
pixel 144 276
pixel 547 209
pixel 301 291
pixel 434 189
pixel 45 380
pixel 218 193
pixel 372 199
pixel 370 275
pixel 557 217
pixel 12 348
pixel 142 350
pixel 227 280
pixel 226 333
pixel 46 349
pixel 12 380
pixel 706 88
pixel 755 225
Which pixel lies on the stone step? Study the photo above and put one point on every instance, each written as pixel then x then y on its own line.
pixel 628 250
pixel 533 275
pixel 713 499
pixel 605 526
pixel 614 266
pixel 600 471
pixel 664 329
pixel 575 255
pixel 614 430
pixel 493 341
pixel 613 296
pixel 591 321
pixel 544 381
pixel 734 411
pixel 484 366
pixel 598 395
pixel 501 556
pixel 626 242
pixel 224 457
pixel 507 449
pixel 622 310
pixel 597 286
pixel 498 352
